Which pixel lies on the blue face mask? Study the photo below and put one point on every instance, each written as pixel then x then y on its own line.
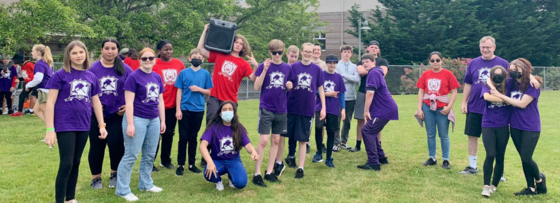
pixel 227 116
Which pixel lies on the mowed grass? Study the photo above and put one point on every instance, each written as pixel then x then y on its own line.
pixel 28 168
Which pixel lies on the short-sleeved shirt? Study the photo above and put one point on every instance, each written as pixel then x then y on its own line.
pixel 382 106
pixel 229 71
pixel 378 62
pixel 333 82
pixel 42 67
pixel 132 63
pixel 307 80
pixel 147 87
pixel 7 79
pixel 496 114
pixel 112 87
pixel 27 71
pixel 528 118
pixel 193 101
pixel 72 111
pixel 440 83
pixel 273 89
pixel 220 138
pixel 169 72
pixel 477 73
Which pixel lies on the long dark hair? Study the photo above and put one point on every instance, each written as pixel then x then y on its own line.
pixel 237 129
pixel 160 45
pixel 501 87
pixel 132 53
pixel 527 68
pixel 118 65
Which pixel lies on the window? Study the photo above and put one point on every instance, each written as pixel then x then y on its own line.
pixel 320 37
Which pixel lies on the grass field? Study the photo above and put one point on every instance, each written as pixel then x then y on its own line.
pixel 28 168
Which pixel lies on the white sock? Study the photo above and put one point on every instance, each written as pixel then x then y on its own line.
pixel 434 159
pixel 279 162
pixel 472 161
pixel 31 110
pixel 301 168
pixel 257 174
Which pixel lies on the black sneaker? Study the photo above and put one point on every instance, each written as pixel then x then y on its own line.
pixel 430 162
pixel 525 191
pixel 113 180
pixel 335 148
pixel 203 163
pixel 291 162
pixel 194 169
pixel 308 148
pixel 278 169
pixel 180 170
pixel 446 165
pixel 370 167
pixel 469 171
pixel 154 169
pixel 168 166
pixel 96 183
pixel 271 177
pixel 299 173
pixel 355 149
pixel 541 187
pixel 257 180
pixel 384 161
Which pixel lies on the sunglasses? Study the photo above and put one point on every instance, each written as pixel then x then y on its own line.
pixel 434 61
pixel 147 58
pixel 276 52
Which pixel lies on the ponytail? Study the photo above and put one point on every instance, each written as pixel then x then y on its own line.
pixel 45 54
pixel 118 64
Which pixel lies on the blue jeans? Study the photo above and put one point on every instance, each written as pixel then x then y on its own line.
pixel 431 120
pixel 235 170
pixel 146 139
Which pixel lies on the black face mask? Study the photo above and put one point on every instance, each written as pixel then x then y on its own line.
pixel 498 79
pixel 196 62
pixel 515 74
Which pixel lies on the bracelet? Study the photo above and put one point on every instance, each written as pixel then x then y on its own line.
pixel 50 129
pixel 102 125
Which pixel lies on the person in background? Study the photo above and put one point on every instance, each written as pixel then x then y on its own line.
pixel 8 77
pixel 132 59
pixel 123 54
pixel 26 77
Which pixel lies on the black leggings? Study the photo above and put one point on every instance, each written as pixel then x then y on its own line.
pixel 495 142
pixel 332 126
pixel 70 146
pixel 167 137
pixel 22 97
pixel 8 96
pixel 114 140
pixel 525 142
pixel 188 132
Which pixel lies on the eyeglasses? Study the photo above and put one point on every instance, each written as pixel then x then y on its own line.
pixel 147 58
pixel 486 48
pixel 435 61
pixel 277 52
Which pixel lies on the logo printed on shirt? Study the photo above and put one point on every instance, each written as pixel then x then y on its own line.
pixel 169 76
pixel 24 74
pixel 228 68
pixel 276 80
pixel 496 105
pixel 304 81
pixel 329 86
pixel 483 75
pixel 516 95
pixel 152 92
pixel 108 85
pixel 226 146
pixel 434 85
pixel 79 90
pixel 6 74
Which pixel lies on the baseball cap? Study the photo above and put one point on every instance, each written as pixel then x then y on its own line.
pixel 373 42
pixel 331 58
pixel 124 51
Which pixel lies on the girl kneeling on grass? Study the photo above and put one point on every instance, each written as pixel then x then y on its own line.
pixel 226 136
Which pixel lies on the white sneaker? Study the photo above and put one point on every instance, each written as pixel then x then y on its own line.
pixel 219 186
pixel 503 179
pixel 231 184
pixel 154 189
pixel 130 197
pixel 74 201
pixel 486 191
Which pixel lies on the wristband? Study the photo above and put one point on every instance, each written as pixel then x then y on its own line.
pixel 50 129
pixel 102 125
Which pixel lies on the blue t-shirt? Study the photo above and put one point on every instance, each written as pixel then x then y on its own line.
pixel 193 101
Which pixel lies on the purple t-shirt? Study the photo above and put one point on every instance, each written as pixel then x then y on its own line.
pixel 527 119
pixel 7 79
pixel 477 73
pixel 333 82
pixel 307 79
pixel 496 114
pixel 147 87
pixel 273 92
pixel 72 111
pixel 111 84
pixel 382 106
pixel 42 67
pixel 221 140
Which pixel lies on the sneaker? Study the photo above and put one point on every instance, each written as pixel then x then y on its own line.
pixel 130 197
pixel 354 150
pixel 525 191
pixel 180 170
pixel 486 191
pixel 317 158
pixel 308 148
pixel 469 171
pixel 430 162
pixel 299 173
pixel 203 163
pixel 16 114
pixel 154 169
pixel 370 167
pixel 168 166
pixel 10 112
pixel 113 180
pixel 345 146
pixel 541 187
pixel 324 149
pixel 96 183
pixel 154 189
pixel 43 140
pixel 219 186
pixel 291 162
pixel 194 169
pixel 335 148
pixel 278 169
pixel 271 177
pixel 503 179
pixel 329 163
pixel 446 165
pixel 231 184
pixel 384 161
pixel 257 180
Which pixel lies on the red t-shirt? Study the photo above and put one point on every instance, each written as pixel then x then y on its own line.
pixel 440 83
pixel 169 72
pixel 27 71
pixel 229 71
pixel 134 64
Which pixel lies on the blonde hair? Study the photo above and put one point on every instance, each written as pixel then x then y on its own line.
pixel 195 51
pixel 246 47
pixel 307 44
pixel 276 45
pixel 45 53
pixel 293 48
pixel 67 63
pixel 486 38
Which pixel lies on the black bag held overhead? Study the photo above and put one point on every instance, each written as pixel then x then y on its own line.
pixel 220 36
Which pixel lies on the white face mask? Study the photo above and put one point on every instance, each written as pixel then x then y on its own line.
pixel 227 116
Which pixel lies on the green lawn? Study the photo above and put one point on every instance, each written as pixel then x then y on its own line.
pixel 28 168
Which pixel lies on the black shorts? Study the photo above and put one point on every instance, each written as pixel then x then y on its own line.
pixel 34 92
pixel 299 127
pixel 330 121
pixel 473 125
pixel 277 122
pixel 212 106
